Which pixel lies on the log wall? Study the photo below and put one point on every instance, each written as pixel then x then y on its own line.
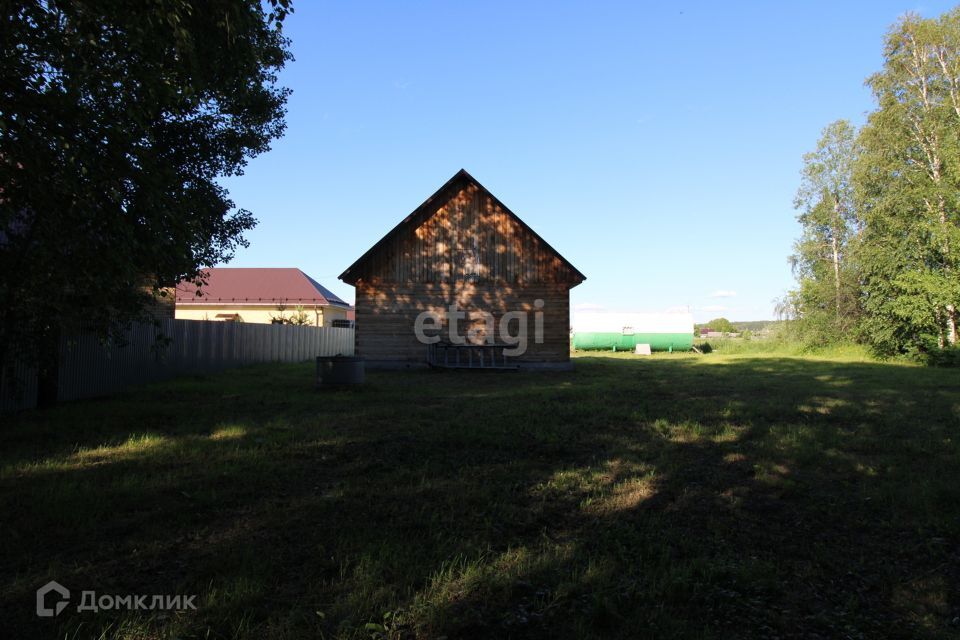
pixel 387 314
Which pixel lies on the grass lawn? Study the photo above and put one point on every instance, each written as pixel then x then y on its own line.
pixel 675 496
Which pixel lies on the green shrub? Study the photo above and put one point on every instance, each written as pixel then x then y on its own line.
pixel 949 357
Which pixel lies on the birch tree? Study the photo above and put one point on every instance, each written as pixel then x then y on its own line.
pixel 908 182
pixel 829 221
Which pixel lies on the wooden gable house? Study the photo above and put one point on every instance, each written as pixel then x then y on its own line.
pixel 462 251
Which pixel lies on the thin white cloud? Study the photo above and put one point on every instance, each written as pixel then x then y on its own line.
pixel 679 308
pixel 713 307
pixel 723 293
pixel 589 306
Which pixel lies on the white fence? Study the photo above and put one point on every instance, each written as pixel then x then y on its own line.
pixel 153 352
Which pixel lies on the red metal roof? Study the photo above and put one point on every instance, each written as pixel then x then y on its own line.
pixel 228 285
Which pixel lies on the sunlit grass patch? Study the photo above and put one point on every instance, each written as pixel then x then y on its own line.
pixel 823 405
pixel 626 495
pixel 136 444
pixel 233 432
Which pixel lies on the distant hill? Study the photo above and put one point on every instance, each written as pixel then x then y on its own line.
pixel 755 325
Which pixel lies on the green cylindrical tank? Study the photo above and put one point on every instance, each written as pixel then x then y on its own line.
pixel 624 331
pixel 588 341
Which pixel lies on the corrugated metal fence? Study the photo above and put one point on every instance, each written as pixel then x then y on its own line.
pixel 90 368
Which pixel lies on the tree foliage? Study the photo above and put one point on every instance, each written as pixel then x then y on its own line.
pixel 115 124
pixel 908 183
pixel 721 325
pixel 881 211
pixel 823 262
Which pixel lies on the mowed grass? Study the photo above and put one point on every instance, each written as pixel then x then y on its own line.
pixel 688 496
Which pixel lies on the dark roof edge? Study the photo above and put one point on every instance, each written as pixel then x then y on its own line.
pixel 459 175
pixel 329 296
pixel 530 229
pixel 403 223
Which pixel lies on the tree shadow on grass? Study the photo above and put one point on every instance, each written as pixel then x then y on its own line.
pixel 670 497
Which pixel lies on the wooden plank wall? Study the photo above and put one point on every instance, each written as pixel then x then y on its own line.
pixel 386 314
pixel 470 238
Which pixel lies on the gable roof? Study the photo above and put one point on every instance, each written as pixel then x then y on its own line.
pixel 256 286
pixel 429 207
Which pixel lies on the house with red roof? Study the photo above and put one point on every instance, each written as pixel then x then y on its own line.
pixel 265 296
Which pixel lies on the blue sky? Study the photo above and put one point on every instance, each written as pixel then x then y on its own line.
pixel 657 147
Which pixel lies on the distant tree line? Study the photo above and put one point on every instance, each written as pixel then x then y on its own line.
pixel 878 260
pixel 719 325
